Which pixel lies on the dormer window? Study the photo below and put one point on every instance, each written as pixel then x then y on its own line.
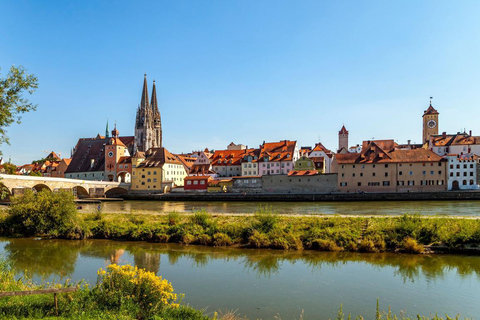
pixel 278 156
pixel 265 158
pixel 288 155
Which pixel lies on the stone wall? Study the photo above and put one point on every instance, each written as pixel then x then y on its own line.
pixel 320 183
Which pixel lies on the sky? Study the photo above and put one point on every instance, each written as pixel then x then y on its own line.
pixel 242 71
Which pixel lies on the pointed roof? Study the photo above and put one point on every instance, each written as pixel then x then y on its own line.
pixel 343 130
pixel 144 101
pixel 430 110
pixel 106 130
pixel 153 103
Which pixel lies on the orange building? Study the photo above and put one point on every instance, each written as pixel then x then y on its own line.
pixel 382 166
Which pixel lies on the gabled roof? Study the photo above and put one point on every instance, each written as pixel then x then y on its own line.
pixel 157 157
pixel 229 157
pixel 343 130
pixel 87 150
pixel 454 139
pixel 277 151
pixel 186 161
pixel 373 153
pixel 201 169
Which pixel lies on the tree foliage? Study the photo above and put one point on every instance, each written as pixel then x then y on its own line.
pixel 12 101
pixel 10 168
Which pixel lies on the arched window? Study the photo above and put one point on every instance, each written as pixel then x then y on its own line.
pixel 464 182
pixel 471 182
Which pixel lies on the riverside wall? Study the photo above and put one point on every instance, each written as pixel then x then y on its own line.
pixel 413 196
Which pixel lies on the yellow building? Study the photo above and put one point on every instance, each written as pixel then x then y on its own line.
pixel 157 172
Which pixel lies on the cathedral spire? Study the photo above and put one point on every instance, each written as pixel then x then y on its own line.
pixel 153 103
pixel 144 102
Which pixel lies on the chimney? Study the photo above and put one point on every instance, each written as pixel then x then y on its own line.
pixel 409 141
pixel 444 134
pixel 470 133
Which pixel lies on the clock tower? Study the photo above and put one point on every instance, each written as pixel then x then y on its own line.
pixel 430 123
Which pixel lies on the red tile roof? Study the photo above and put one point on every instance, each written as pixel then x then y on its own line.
pixel 343 130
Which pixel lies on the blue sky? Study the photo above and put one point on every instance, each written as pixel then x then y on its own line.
pixel 242 71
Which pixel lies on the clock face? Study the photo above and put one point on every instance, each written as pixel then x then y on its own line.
pixel 431 124
pixel 110 154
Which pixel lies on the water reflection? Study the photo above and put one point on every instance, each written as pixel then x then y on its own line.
pixel 59 258
pixel 469 207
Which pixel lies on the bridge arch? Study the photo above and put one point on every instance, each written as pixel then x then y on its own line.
pixel 81 192
pixel 115 192
pixel 39 187
pixel 5 192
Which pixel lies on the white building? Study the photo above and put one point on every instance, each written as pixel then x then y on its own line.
pixel 463 171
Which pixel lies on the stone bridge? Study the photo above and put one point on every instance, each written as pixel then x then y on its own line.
pixel 17 184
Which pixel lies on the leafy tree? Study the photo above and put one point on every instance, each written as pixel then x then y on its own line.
pixel 10 168
pixel 12 102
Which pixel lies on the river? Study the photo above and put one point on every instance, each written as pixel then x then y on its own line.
pixel 268 283
pixel 463 208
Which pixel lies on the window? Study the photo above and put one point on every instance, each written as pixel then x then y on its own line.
pixel 189 183
pixel 464 182
pixel 458 166
pixel 155 180
pixel 386 183
pixel 149 173
pixel 400 183
pixel 202 181
pixel 143 183
pixel 464 174
pixel 361 174
pixel 464 166
pixel 373 166
pixel 343 184
pixel 431 172
pixel 451 174
pixel 195 182
pixel 386 165
pixel 353 174
pixel 373 184
pixel 471 166
pixel 354 166
pixel 471 182
pixel 471 174
pixel 359 184
pixel 386 174
pixel 411 182
pixel 373 174
pixel 458 174
pixel 400 173
pixel 424 172
pixel 149 180
pixel 451 166
pixel 411 173
pixel 440 172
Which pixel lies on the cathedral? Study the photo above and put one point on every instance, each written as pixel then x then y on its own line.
pixel 148 124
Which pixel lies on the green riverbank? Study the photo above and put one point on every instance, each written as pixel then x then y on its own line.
pixel 55 216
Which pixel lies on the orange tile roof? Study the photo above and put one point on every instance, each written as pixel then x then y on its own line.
pixel 277 151
pixel 303 173
pixel 157 157
pixel 373 153
pixel 320 147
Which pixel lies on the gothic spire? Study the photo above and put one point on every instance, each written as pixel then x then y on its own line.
pixel 144 102
pixel 154 104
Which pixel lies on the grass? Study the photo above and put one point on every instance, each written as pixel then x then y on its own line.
pixel 263 229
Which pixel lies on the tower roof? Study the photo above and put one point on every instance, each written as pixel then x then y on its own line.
pixel 430 110
pixel 343 130
pixel 144 102
pixel 153 103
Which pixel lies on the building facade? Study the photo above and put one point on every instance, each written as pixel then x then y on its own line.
pixel 463 171
pixel 381 167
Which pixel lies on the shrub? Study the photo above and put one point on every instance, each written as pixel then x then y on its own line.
pixel 258 240
pixel 201 218
pixel 221 239
pixel 411 245
pixel 43 213
pixel 204 239
pixel 127 285
pixel 173 218
pixel 325 245
pixel 267 219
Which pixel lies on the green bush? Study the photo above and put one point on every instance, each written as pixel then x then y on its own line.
pixel 201 218
pixel 258 240
pixel 267 219
pixel 43 213
pixel 221 239
pixel 411 245
pixel 325 245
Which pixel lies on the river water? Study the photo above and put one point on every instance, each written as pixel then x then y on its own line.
pixel 464 208
pixel 268 283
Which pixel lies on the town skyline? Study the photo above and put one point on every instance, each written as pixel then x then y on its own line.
pixel 292 72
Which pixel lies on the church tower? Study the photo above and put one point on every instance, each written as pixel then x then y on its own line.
pixel 343 140
pixel 148 126
pixel 430 123
pixel 157 121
